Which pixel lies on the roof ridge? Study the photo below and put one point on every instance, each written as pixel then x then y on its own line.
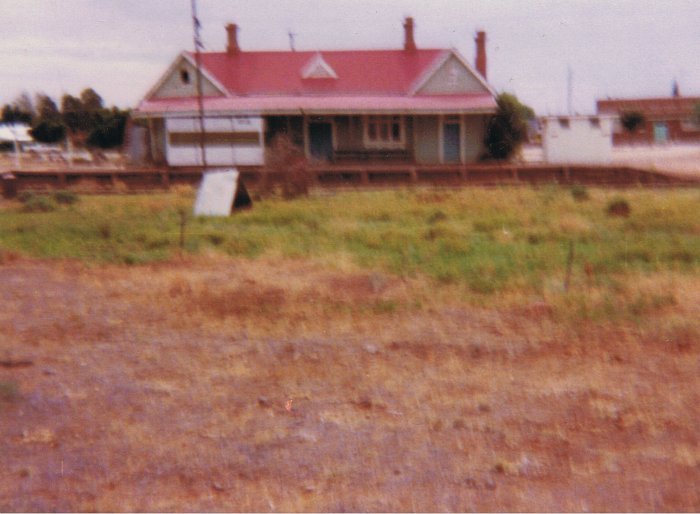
pixel 394 50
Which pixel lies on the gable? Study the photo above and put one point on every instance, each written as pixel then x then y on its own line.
pixel 450 78
pixel 318 68
pixel 181 81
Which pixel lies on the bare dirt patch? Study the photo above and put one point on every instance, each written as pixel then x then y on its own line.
pixel 285 385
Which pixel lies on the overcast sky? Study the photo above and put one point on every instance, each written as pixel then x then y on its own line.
pixel 121 47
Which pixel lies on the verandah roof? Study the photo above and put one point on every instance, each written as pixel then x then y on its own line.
pixel 317 105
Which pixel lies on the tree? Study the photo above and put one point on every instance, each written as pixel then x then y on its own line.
pixel 91 101
pixel 46 109
pixel 75 118
pixel 109 129
pixel 12 114
pixel 20 110
pixel 24 103
pixel 48 132
pixel 48 127
pixel 632 120
pixel 507 129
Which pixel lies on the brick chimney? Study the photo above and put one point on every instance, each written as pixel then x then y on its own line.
pixel 481 52
pixel 409 44
pixel 232 48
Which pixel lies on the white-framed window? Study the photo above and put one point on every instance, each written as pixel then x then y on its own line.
pixel 385 132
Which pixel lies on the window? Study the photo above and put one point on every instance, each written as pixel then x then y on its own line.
pixel 594 121
pixel 564 123
pixel 690 126
pixel 184 76
pixel 385 132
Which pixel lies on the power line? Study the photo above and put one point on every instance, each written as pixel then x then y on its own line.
pixel 196 25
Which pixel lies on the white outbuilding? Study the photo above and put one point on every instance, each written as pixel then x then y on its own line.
pixel 577 139
pixel 17 134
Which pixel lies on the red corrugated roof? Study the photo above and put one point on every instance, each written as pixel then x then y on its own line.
pixel 360 72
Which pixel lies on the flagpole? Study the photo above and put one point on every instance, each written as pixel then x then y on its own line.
pixel 200 103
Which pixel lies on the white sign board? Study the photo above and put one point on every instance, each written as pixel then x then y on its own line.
pixel 225 150
pixel 216 193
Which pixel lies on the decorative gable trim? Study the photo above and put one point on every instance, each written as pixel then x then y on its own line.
pixel 318 68
pixel 439 63
pixel 174 67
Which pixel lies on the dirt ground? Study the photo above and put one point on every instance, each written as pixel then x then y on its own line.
pixel 677 158
pixel 226 385
pixel 681 159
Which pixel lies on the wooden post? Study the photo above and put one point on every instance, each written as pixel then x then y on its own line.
pixel 183 224
pixel 569 266
pixel 151 140
pixel 364 174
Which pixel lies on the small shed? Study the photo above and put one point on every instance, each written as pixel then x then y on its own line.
pixel 15 133
pixel 577 139
pixel 18 134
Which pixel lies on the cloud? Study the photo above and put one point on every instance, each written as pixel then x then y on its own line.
pixel 120 47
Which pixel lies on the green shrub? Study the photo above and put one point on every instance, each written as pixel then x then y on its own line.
pixel 39 203
pixel 65 197
pixel 25 196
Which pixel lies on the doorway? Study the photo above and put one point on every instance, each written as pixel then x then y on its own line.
pixel 451 148
pixel 660 133
pixel 321 140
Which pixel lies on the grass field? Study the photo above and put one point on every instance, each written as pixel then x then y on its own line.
pixel 489 240
pixel 360 351
pixel 490 243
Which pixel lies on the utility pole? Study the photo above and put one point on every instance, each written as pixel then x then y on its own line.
pixel 570 90
pixel 291 40
pixel 198 62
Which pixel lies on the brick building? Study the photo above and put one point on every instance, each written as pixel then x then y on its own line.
pixel 665 119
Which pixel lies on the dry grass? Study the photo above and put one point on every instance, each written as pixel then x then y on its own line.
pixel 287 385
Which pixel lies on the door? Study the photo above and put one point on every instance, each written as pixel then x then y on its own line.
pixel 450 143
pixel 321 141
pixel 660 132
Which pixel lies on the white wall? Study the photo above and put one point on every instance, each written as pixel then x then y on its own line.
pixel 586 139
pixel 217 154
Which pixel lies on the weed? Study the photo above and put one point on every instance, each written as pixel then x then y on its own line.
pixel 580 193
pixel 8 391
pixel 618 207
pixel 681 335
pixel 105 230
pixel 385 307
pixel 135 258
pixel 8 256
pixel 216 239
pixel 437 216
pixel 682 256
